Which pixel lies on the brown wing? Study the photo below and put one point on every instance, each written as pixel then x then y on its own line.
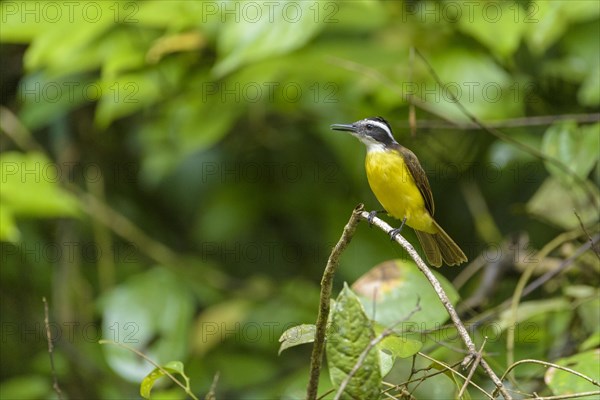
pixel 418 174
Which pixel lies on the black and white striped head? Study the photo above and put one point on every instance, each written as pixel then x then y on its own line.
pixel 374 132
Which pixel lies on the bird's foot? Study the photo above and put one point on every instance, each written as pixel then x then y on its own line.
pixel 372 215
pixel 396 231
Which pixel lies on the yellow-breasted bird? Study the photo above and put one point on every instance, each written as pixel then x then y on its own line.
pixel 401 186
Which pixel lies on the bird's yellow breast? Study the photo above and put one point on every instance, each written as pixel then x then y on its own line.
pixel 395 188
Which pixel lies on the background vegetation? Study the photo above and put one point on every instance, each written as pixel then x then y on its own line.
pixel 170 182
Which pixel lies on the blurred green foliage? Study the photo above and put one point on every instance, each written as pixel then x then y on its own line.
pixel 185 189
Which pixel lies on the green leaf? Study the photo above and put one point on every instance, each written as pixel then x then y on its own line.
pixel 297 335
pixel 152 312
pixel 576 147
pixel 47 99
pixel 172 367
pixel 399 346
pixel 394 346
pixel 499 28
pixel 127 94
pixel 554 202
pixel 194 120
pixel 62 52
pixel 588 305
pixel 351 333
pixel 476 80
pixel 390 291
pixel 563 382
pixel 215 322
pixel 8 227
pixel 530 309
pixel 26 386
pixel 173 15
pixel 386 362
pixel 264 32
pixel 31 188
pixel 548 20
pixel 591 342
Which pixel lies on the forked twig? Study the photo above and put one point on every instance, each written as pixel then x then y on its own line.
pixel 473 368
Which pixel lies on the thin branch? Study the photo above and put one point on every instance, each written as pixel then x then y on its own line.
pixel 549 364
pixel 17 132
pixel 540 120
pixel 374 342
pixel 569 396
pixel 473 368
pixel 324 301
pixel 145 357
pixel 460 327
pixel 213 387
pixel 586 233
pixel 55 385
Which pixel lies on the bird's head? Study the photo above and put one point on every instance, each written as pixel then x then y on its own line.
pixel 374 132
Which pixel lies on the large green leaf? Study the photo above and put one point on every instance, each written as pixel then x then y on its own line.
pixel 499 26
pixel 548 20
pixel 45 99
pixel 530 309
pixel 350 334
pixel 563 382
pixel 260 30
pixel 390 291
pixel 150 312
pixel 476 80
pixel 59 50
pixel 578 148
pixel 555 201
pixel 31 188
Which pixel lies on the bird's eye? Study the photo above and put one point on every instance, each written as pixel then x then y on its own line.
pixel 369 127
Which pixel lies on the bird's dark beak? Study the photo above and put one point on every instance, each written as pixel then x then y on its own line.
pixel 343 127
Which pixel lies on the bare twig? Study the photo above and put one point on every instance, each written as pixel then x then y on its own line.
pixel 213 387
pixel 569 396
pixel 460 327
pixel 473 368
pixel 549 364
pixel 55 385
pixel 145 357
pixel 374 342
pixel 587 234
pixel 539 120
pixel 324 302
pixel 14 129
